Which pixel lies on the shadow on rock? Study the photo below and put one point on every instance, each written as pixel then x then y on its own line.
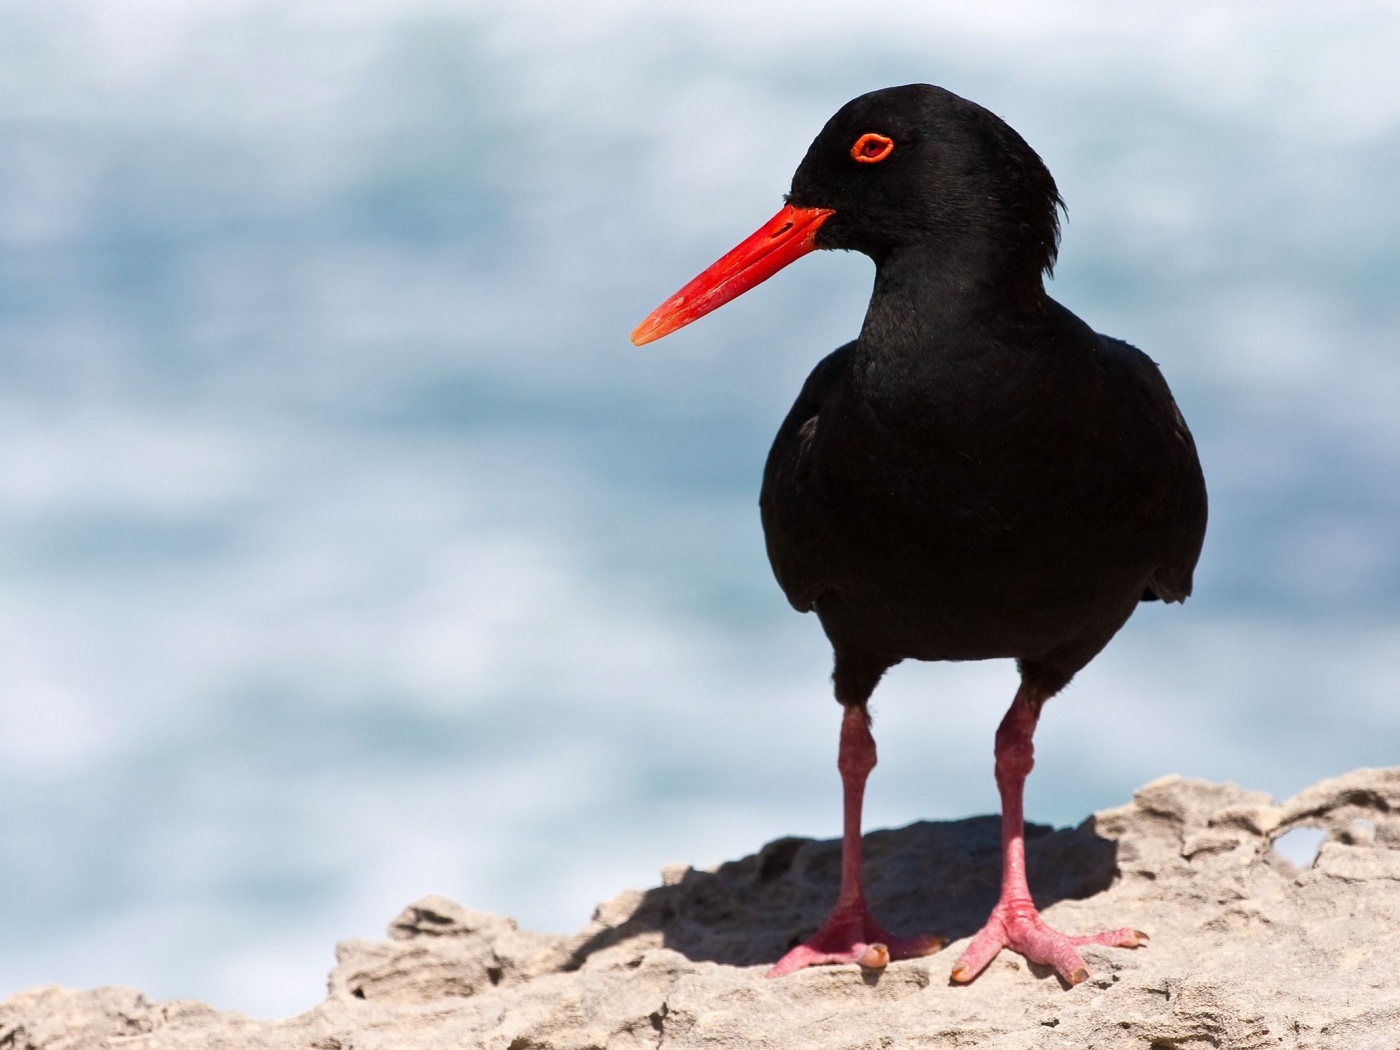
pixel 930 877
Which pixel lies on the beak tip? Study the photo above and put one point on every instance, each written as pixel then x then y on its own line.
pixel 650 330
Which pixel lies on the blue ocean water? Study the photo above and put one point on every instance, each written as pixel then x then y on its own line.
pixel 349 552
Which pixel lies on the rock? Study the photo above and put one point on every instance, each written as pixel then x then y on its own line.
pixel 441 950
pixel 1248 951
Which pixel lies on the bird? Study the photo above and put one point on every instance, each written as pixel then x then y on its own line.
pixel 978 475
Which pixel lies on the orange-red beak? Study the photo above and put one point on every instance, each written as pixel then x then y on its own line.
pixel 783 238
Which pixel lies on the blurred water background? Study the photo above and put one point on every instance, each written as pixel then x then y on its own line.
pixel 349 552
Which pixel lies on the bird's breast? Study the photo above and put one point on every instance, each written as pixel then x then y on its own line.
pixel 955 531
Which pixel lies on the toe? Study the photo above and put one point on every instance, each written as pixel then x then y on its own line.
pixel 875 957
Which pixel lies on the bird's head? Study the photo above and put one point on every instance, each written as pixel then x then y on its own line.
pixel 902 168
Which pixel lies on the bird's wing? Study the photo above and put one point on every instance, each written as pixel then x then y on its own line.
pixel 1172 579
pixel 1180 507
pixel 790 505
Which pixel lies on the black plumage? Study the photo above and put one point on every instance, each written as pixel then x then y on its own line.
pixel 979 474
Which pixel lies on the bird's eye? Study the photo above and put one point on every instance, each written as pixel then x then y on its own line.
pixel 871 148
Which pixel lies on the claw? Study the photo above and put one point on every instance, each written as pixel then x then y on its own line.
pixel 875 957
pixel 1079 976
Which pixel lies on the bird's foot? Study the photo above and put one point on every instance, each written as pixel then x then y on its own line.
pixel 1016 924
pixel 851 935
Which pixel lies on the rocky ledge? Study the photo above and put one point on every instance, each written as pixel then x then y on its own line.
pixel 1247 951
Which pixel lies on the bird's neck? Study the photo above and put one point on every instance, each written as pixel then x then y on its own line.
pixel 927 291
pixel 936 313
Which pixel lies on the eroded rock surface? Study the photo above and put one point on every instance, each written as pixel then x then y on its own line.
pixel 1247 951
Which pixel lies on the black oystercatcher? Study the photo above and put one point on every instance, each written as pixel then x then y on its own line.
pixel 978 475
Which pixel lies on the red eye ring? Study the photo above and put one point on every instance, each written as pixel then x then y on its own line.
pixel 871 148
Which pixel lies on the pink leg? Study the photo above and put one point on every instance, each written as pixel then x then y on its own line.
pixel 850 934
pixel 1014 922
